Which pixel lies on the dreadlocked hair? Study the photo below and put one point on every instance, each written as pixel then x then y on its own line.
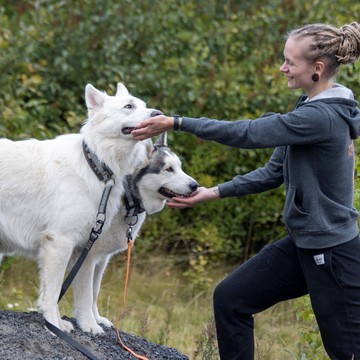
pixel 334 45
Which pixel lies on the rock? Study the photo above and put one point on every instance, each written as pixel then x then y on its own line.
pixel 23 337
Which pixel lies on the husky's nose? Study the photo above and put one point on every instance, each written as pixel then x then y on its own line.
pixel 193 185
pixel 156 113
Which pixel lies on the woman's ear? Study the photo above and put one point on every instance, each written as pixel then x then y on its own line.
pixel 319 67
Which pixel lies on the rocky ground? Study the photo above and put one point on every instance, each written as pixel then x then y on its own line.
pixel 24 337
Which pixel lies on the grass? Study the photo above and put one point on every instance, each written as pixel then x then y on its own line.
pixel 161 306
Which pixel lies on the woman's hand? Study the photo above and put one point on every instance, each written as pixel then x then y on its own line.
pixel 201 195
pixel 153 126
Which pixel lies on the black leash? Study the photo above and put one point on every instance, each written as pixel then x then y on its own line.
pixel 94 234
pixel 104 174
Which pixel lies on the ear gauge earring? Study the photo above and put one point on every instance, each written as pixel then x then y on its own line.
pixel 315 77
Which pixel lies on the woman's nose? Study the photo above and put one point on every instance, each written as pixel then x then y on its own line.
pixel 283 68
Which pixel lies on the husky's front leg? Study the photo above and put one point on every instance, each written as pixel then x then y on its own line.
pixel 53 258
pixel 84 297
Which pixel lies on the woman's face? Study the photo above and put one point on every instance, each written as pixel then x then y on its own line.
pixel 295 67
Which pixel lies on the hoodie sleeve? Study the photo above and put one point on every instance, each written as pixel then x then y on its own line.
pixel 307 124
pixel 262 179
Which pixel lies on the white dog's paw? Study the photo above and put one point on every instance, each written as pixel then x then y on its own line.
pixel 63 325
pixel 91 327
pixel 66 326
pixel 54 318
pixel 104 321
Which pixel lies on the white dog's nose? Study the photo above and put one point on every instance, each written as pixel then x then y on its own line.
pixel 156 113
pixel 193 185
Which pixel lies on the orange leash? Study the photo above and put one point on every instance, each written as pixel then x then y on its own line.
pixel 124 301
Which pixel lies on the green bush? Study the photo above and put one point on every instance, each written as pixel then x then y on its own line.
pixel 218 59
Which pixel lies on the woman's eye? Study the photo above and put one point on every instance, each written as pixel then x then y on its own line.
pixel 128 106
pixel 169 169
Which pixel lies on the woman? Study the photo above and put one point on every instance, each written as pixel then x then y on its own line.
pixel 314 159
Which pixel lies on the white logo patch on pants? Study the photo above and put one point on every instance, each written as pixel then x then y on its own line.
pixel 319 259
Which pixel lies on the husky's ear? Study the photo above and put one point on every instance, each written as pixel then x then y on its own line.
pixel 121 90
pixel 93 97
pixel 149 148
pixel 161 140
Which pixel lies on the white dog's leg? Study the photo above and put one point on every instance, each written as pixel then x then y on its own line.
pixel 84 297
pixel 53 259
pixel 99 271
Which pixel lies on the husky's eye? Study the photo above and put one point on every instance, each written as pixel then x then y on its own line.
pixel 128 106
pixel 169 169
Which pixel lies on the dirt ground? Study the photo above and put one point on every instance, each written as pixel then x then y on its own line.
pixel 23 337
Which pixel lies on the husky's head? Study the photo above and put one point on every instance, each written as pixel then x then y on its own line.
pixel 162 178
pixel 112 118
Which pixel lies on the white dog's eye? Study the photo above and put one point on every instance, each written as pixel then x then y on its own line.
pixel 128 106
pixel 169 169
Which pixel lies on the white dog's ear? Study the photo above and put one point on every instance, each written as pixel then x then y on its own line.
pixel 121 90
pixel 161 140
pixel 93 97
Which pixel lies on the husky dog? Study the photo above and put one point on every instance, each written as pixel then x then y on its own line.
pixel 49 197
pixel 154 182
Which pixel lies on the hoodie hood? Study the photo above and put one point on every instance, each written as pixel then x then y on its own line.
pixel 337 91
pixel 342 101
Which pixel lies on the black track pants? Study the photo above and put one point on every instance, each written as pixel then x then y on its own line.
pixel 281 271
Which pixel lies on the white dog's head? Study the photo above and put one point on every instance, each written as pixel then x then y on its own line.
pixel 112 118
pixel 107 131
pixel 162 178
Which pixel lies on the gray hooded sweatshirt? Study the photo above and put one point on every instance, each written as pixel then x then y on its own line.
pixel 313 158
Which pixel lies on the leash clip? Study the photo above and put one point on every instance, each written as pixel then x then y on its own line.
pixel 100 221
pixel 129 233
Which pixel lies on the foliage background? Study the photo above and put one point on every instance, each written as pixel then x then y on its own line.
pixel 218 59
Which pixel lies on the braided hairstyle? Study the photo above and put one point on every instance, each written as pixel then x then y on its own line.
pixel 332 45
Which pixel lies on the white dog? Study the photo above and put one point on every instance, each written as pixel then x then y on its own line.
pixel 49 197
